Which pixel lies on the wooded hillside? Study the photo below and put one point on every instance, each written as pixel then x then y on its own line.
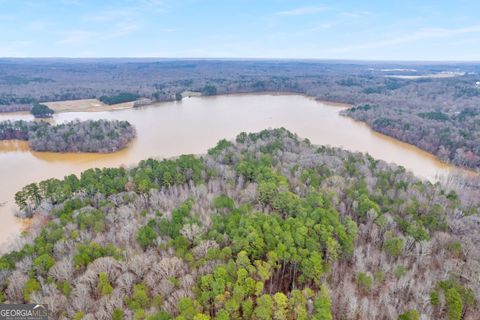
pixel 265 227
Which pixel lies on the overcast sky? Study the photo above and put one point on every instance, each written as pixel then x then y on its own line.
pixel 351 29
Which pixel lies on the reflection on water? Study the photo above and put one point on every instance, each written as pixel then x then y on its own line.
pixel 193 126
pixel 14 146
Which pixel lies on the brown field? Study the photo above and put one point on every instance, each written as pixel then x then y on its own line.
pixel 86 105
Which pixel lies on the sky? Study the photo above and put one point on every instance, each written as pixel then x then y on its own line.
pixel 285 29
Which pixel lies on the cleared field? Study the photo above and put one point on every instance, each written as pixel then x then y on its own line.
pixel 86 105
pixel 426 76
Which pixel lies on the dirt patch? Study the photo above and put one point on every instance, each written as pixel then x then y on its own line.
pixel 86 105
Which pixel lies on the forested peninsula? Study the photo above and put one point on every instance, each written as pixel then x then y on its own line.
pixel 75 136
pixel 264 227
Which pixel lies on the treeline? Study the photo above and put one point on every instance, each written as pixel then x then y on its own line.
pixel 265 227
pixel 453 136
pixel 119 98
pixel 75 136
pixel 439 115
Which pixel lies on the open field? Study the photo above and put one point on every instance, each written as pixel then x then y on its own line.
pixel 86 105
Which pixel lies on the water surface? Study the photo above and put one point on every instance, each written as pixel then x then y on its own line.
pixel 194 125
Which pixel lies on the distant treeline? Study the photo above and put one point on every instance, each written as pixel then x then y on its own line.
pixel 439 115
pixel 119 98
pixel 76 136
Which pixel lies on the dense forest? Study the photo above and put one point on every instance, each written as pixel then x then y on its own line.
pixel 264 227
pixel 75 136
pixel 453 135
pixel 433 106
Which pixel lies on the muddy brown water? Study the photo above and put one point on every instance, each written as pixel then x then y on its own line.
pixel 194 125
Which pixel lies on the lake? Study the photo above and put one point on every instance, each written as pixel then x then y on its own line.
pixel 193 126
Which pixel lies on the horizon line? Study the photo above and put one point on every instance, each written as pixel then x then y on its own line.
pixel 244 59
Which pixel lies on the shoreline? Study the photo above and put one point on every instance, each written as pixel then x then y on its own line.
pixel 95 105
pixel 73 157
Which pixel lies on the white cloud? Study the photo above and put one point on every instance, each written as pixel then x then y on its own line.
pixel 302 11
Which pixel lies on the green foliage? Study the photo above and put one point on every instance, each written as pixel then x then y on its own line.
pixel 104 286
pixel 454 304
pixel 264 308
pixel 117 314
pixel 400 271
pixel 180 216
pixel 366 205
pixel 31 285
pixel 162 315
pixel 65 288
pixel 434 298
pixel 224 202
pixel 153 173
pixel 146 236
pixel 323 305
pixel 457 298
pixel 79 315
pixel 91 251
pixel 221 145
pixel 364 282
pixel 139 314
pixel 409 315
pixel 149 174
pixel 188 308
pixel 455 248
pixel 139 299
pixel 7 261
pixel 43 263
pixel 41 111
pixel 302 246
pixel 394 246
pixel 92 220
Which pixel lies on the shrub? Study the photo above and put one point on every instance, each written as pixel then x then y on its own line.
pixel 79 315
pixel 454 304
pixel 139 298
pixel 394 246
pixel 104 285
pixel 409 315
pixel 117 314
pixel 43 263
pixel 30 286
pixel 162 315
pixel 400 271
pixel 146 236
pixel 364 282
